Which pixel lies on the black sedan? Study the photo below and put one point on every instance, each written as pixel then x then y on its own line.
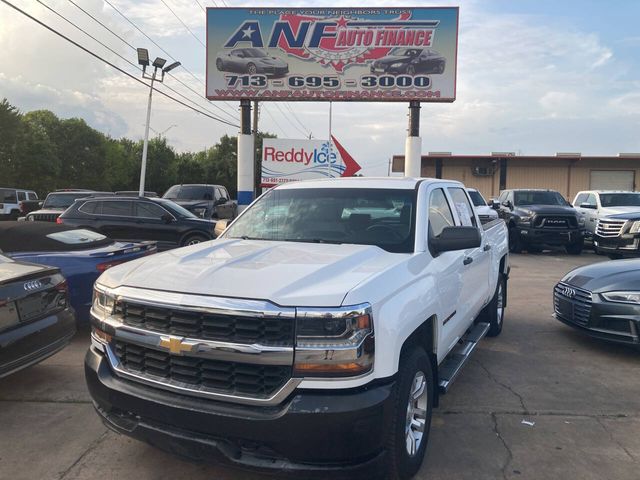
pixel 36 320
pixel 410 61
pixel 602 300
pixel 136 219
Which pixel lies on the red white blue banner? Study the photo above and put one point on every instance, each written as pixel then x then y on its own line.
pixel 337 54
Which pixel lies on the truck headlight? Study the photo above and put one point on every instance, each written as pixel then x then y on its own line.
pixel 622 297
pixel 635 227
pixel 103 302
pixel 335 342
pixel 526 219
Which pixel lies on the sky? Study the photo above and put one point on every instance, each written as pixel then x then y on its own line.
pixel 534 77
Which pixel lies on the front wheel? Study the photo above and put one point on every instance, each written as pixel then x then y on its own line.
pixel 194 240
pixel 251 69
pixel 409 430
pixel 219 64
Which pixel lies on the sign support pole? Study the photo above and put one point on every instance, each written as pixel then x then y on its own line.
pixel 413 145
pixel 256 168
pixel 330 140
pixel 246 183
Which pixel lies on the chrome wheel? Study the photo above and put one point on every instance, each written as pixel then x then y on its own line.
pixel 416 413
pixel 500 303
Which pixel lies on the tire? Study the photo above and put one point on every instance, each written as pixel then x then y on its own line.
pixel 575 248
pixel 614 256
pixel 194 239
pixel 515 244
pixel 399 463
pixel 251 69
pixel 219 64
pixel 440 67
pixel 493 313
pixel 411 70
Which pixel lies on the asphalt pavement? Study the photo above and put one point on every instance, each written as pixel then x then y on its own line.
pixel 539 401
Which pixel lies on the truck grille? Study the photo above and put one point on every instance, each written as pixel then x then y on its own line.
pixel 572 304
pixel 209 326
pixel 202 374
pixel 555 221
pixel 43 217
pixel 609 228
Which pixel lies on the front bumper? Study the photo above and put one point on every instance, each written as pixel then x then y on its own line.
pixel 616 322
pixel 547 236
pixel 32 342
pixel 312 431
pixel 626 244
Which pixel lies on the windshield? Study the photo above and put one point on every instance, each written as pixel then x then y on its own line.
pixel 406 52
pixel 477 199
pixel 189 192
pixel 534 197
pixel 62 200
pixel 255 53
pixel 383 217
pixel 620 199
pixel 7 195
pixel 177 209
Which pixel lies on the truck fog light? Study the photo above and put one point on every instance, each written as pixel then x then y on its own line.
pixel 334 342
pixel 100 339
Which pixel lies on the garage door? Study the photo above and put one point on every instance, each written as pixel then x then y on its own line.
pixel 612 180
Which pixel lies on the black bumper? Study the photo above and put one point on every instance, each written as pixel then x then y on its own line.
pixel 627 244
pixel 313 431
pixel 546 236
pixel 32 342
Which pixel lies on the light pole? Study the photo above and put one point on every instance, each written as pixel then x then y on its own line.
pixel 158 63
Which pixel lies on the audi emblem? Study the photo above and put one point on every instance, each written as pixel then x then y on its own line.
pixel 32 285
pixel 568 292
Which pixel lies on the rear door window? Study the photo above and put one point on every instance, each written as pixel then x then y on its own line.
pixel 463 207
pixel 116 208
pixel 149 210
pixel 90 208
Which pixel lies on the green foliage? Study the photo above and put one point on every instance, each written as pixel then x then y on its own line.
pixel 40 151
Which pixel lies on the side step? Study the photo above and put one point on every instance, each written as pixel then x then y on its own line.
pixel 452 365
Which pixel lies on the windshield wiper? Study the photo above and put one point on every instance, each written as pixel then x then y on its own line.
pixel 312 240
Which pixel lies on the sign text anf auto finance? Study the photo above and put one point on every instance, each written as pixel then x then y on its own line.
pixel 378 54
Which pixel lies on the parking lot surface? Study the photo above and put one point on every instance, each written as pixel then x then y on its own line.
pixel 579 397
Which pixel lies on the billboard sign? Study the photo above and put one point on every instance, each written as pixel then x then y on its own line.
pixel 337 54
pixel 287 160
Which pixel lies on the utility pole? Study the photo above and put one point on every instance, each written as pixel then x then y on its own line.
pixel 257 171
pixel 413 145
pixel 246 155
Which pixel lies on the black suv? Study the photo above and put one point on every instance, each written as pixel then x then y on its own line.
pixel 204 201
pixel 539 218
pixel 138 219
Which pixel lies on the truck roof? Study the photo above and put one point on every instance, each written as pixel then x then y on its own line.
pixel 407 183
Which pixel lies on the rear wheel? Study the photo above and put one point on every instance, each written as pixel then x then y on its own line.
pixel 409 431
pixel 194 239
pixel 515 244
pixel 219 64
pixel 440 67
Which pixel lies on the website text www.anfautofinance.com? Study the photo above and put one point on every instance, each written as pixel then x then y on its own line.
pixel 228 94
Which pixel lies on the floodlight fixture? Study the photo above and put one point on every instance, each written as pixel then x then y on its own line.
pixel 159 62
pixel 143 57
pixel 171 67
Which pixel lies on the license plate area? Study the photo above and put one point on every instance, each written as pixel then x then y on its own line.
pixel 32 306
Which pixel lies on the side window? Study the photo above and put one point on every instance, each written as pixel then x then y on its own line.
pixel 502 197
pixel 439 213
pixel 591 200
pixel 463 207
pixel 580 199
pixel 116 208
pixel 88 207
pixel 149 210
pixel 32 196
pixel 22 196
pixel 216 193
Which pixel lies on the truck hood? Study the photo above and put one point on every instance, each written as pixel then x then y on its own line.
pixel 621 209
pixel 546 210
pixel 606 276
pixel 285 273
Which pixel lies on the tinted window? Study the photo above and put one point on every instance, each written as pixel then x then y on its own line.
pixel 440 215
pixel 89 207
pixel 189 192
pixel 538 197
pixel 32 196
pixel 149 210
pixel 255 53
pixel 7 195
pixel 62 200
pixel 382 217
pixel 620 199
pixel 477 199
pixel 462 206
pixel 116 208
pixel 22 196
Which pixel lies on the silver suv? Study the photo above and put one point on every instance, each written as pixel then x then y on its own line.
pixel 595 205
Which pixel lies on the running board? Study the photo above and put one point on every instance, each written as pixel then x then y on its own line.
pixel 459 355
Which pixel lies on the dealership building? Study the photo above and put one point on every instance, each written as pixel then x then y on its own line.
pixel 568 173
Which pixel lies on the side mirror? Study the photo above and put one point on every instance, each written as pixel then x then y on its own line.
pixel 494 204
pixel 588 205
pixel 40 204
pixel 221 226
pixel 166 218
pixel 508 204
pixel 456 238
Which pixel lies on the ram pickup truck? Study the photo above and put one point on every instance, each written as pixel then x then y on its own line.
pixel 204 201
pixel 309 336
pixel 541 218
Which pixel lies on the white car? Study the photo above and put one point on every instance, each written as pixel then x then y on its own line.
pixel 485 212
pixel 305 339
pixel 595 205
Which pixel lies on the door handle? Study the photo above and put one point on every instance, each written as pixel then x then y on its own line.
pixel 467 260
pixel 487 247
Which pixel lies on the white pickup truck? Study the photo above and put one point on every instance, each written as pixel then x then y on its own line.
pixel 314 335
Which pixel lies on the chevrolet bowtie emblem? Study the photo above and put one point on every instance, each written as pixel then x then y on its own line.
pixel 175 345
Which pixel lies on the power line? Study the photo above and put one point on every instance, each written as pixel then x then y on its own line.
pixel 305 134
pixel 95 55
pixel 308 132
pixel 272 118
pixel 183 24
pixel 113 51
pixel 200 5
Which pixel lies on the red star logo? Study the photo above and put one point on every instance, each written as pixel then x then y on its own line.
pixel 342 22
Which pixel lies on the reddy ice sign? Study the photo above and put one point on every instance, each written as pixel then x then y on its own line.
pixel 365 54
pixel 286 160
